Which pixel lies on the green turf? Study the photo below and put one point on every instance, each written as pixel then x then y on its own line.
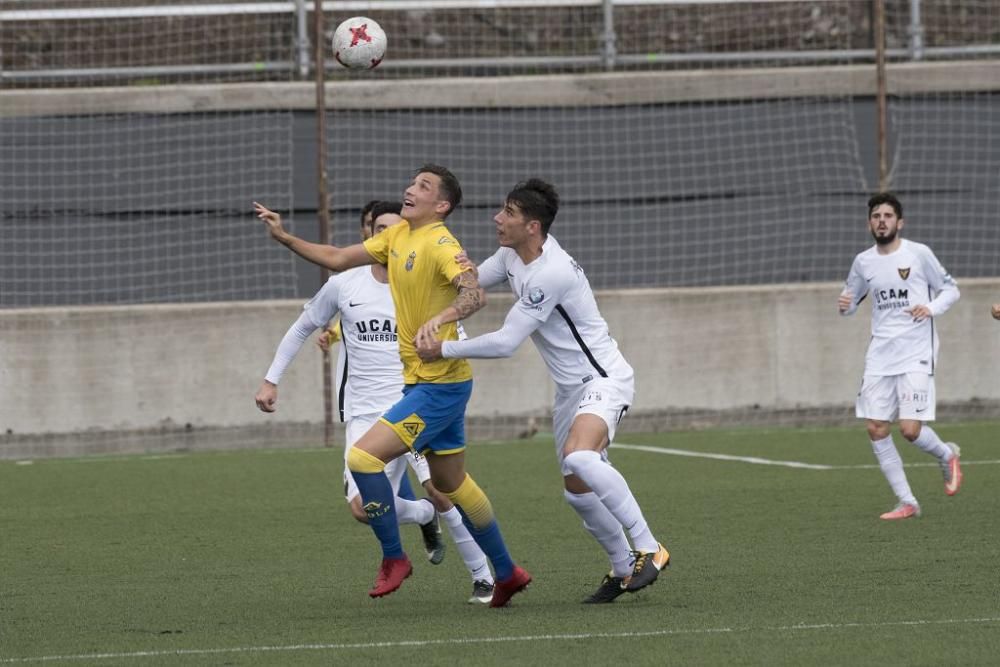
pixel 254 553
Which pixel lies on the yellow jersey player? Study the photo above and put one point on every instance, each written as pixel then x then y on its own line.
pixel 370 384
pixel 431 292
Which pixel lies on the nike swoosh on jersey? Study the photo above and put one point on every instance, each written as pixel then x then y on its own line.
pixel 354 305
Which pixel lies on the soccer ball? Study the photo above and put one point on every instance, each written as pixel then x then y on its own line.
pixel 359 43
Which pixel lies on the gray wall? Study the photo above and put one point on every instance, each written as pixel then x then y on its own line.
pixel 744 350
pixel 149 208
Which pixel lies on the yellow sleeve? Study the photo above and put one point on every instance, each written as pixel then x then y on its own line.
pixel 445 249
pixel 378 245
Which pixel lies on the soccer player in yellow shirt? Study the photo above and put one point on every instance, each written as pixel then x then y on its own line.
pixel 431 292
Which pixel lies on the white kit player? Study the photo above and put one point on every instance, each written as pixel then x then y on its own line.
pixel 910 290
pixel 372 381
pixel 594 383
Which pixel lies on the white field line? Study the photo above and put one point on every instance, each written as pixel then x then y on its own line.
pixel 722 457
pixel 756 460
pixel 453 641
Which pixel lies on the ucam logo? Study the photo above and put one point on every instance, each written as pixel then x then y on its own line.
pixel 891 294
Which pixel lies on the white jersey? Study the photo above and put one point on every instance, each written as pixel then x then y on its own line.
pixel 909 277
pixel 368 367
pixel 573 338
pixel 369 371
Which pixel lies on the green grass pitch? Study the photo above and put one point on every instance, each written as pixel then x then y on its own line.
pixel 252 558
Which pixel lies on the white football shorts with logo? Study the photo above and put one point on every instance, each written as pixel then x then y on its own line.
pixel 607 398
pixel 394 470
pixel 891 397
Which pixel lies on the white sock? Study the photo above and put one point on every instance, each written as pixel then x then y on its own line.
pixel 930 442
pixel 613 492
pixel 413 511
pixel 605 528
pixel 473 557
pixel 892 468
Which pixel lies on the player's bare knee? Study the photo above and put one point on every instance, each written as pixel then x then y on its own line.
pixel 877 430
pixel 574 484
pixel 910 429
pixel 584 444
pixel 447 472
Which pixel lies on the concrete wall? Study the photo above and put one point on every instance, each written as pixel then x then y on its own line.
pixel 780 347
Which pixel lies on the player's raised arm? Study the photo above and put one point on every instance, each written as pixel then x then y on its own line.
pixel 330 257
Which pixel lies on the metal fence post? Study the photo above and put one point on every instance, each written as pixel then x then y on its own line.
pixel 916 32
pixel 301 38
pixel 609 48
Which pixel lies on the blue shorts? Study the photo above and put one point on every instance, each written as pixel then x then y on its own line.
pixel 431 416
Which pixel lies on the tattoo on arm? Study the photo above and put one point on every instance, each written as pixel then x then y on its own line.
pixel 470 295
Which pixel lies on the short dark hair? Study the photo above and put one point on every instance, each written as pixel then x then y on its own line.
pixel 366 209
pixel 383 207
pixel 451 191
pixel 537 199
pixel 885 198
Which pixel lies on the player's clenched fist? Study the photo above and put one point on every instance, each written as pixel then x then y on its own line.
pixel 267 397
pixel 996 311
pixel 844 302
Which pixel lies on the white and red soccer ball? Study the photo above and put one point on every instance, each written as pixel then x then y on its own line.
pixel 359 43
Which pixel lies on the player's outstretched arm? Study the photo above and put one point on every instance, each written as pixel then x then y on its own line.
pixel 330 257
pixel 499 344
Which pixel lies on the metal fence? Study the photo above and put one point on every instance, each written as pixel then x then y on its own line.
pixel 289 24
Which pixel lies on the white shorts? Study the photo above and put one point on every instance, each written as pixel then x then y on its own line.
pixel 607 398
pixel 890 397
pixel 394 470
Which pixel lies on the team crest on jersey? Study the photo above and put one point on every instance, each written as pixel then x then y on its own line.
pixel 410 260
pixel 535 297
pixel 904 273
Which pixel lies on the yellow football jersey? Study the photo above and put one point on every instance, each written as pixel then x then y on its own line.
pixel 421 267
